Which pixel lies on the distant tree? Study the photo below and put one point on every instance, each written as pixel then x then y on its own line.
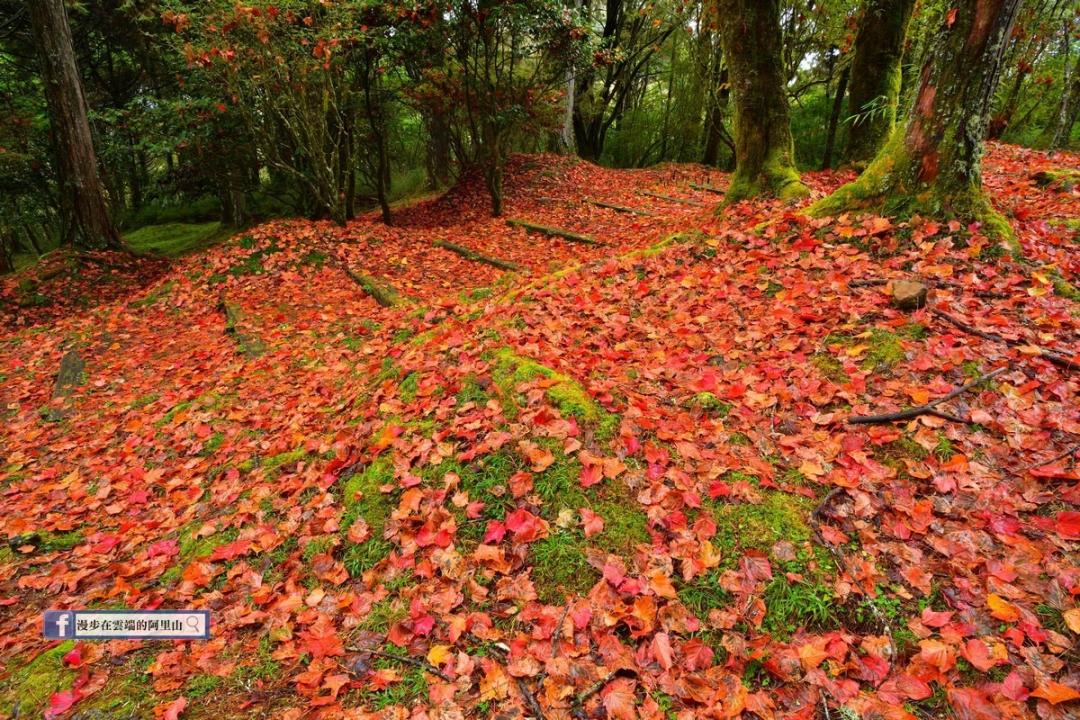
pixel 83 199
pixel 876 74
pixel 932 165
pixel 764 150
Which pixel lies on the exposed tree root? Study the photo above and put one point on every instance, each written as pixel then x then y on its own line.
pixel 708 188
pixel 555 232
pixel 620 208
pixel 384 295
pixel 249 344
pixel 477 257
pixel 669 198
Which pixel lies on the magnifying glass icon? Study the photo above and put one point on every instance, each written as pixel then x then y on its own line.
pixel 192 623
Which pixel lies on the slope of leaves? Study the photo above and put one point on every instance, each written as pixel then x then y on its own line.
pixel 617 483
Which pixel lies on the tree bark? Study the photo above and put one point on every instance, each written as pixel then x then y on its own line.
pixel 876 73
pixel 764 151
pixel 82 190
pixel 933 165
pixel 834 118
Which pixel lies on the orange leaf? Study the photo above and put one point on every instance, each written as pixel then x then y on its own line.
pixel 1055 692
pixel 1001 608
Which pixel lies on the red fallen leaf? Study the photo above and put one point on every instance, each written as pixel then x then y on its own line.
pixel 592 523
pixel 526 527
pixel 1067 524
pixel 73 657
pixel 581 615
pixel 972 704
pixel 696 655
pixel 1013 687
pixel 912 687
pixel 61 702
pixel 935 618
pixel 359 531
pixel 619 699
pixel 937 654
pixel 172 712
pixel 833 536
pixel 496 531
pixel 163 548
pixel 423 625
pixel 1054 692
pixel 661 650
pixel 976 653
pixel 321 639
pixel 591 473
pixel 231 551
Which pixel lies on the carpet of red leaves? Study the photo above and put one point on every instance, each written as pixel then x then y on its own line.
pixel 951 570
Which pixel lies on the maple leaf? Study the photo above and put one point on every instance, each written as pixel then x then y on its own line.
pixel 321 639
pixel 172 712
pixel 525 526
pixel 619 699
pixel 591 522
pixel 1054 692
pixel 661 650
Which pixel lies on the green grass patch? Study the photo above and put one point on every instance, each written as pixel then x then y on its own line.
pixel 559 567
pixel 708 402
pixel 192 547
pixel 746 526
pixel 174 239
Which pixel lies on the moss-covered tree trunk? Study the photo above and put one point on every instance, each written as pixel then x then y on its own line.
pixel 933 164
pixel 876 75
pixel 764 152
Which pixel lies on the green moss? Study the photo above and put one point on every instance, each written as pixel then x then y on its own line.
pixel 276 462
pixel 409 386
pixel 742 526
pixel 212 444
pixel 565 393
pixel 560 567
pixel 362 498
pixel 192 548
pixel 777 178
pixel 174 239
pixel 708 402
pixel 155 295
pixel 471 391
pixel 625 524
pixel 201 685
pixel 30 686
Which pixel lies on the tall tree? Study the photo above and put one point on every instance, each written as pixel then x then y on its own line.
pixel 932 165
pixel 764 151
pixel 83 194
pixel 876 75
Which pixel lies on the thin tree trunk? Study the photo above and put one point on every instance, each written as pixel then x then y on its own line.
pixel 834 117
pixel 83 192
pixel 764 151
pixel 932 165
pixel 1064 116
pixel 876 74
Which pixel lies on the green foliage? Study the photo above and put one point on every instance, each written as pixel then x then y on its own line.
pixel 559 567
pixel 30 686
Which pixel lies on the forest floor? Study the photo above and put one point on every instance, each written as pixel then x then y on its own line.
pixel 617 482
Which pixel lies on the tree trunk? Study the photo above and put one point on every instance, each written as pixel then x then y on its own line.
pixel 932 165
pixel 764 151
pixel 438 155
pixel 717 103
pixel 834 118
pixel 876 74
pixel 1063 126
pixel 83 192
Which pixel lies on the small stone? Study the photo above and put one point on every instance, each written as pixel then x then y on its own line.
pixel 908 294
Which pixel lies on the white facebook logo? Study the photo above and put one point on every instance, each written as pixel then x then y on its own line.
pixel 58 624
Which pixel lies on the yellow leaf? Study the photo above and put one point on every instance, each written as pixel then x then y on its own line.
pixel 919 396
pixel 1001 608
pixel 438 654
pixel 1072 619
pixel 857 350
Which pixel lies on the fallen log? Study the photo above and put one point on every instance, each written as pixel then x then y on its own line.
pixel 708 188
pixel 619 208
pixel 929 408
pixel 555 232
pixel 477 257
pixel 1051 356
pixel 384 295
pixel 669 198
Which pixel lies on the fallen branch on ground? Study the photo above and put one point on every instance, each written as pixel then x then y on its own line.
pixel 929 408
pixel 477 257
pixel 620 208
pixel 1049 355
pixel 1060 456
pixel 555 232
pixel 708 188
pixel 669 198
